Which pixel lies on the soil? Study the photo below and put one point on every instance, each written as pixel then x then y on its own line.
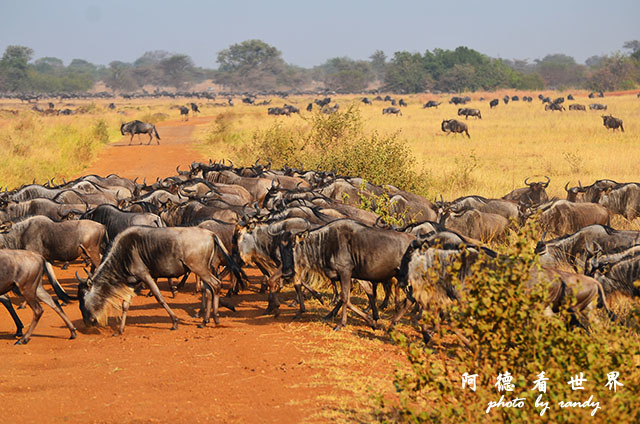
pixel 250 368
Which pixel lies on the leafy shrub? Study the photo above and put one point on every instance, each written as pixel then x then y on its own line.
pixel 506 330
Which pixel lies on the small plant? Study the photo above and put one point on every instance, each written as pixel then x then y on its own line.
pixel 574 161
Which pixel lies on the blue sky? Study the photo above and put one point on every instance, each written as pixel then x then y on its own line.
pixel 310 32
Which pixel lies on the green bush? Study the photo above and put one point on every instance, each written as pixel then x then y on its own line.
pixel 503 323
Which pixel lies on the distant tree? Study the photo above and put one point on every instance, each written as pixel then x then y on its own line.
pixel 251 64
pixel 615 72
pixel 48 65
pixel 14 66
pixel 594 61
pixel 378 64
pixel 153 57
pixel 347 75
pixel 560 70
pixel 634 46
pixel 120 77
pixel 177 70
pixel 460 77
pixel 405 73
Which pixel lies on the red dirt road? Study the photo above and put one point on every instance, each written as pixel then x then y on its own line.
pixel 250 369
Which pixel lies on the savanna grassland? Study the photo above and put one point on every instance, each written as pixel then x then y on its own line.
pixel 353 370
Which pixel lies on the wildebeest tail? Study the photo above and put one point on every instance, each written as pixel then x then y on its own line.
pixel 155 131
pixel 62 295
pixel 237 271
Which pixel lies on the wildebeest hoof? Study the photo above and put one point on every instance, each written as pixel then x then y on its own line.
pixel 65 266
pixel 337 328
pixel 22 341
pixel 201 325
pixel 73 335
pixel 216 320
pixel 18 334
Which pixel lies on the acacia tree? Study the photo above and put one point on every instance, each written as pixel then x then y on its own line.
pixel 14 66
pixel 251 64
pixel 177 70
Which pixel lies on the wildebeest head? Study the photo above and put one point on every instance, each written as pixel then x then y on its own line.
pixel 84 286
pixel 572 193
pixel 536 193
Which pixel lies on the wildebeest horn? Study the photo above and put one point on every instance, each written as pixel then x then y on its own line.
pixel 178 169
pixel 543 236
pixel 547 183
pixel 579 184
pixel 525 181
pixel 565 187
pixel 82 280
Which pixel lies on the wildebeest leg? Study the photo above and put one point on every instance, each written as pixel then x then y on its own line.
pixel 366 286
pixel 302 310
pixel 404 307
pixel 467 132
pixel 151 285
pixel 37 313
pixel 388 288
pixel 131 139
pixel 93 255
pixel 150 138
pixel 16 319
pixel 335 299
pixel 123 319
pixel 42 295
pixel 345 294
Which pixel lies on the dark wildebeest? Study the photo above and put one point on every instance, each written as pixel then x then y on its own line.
pixel 46 207
pixel 534 194
pixel 597 106
pixel 402 103
pixel 309 107
pixel 469 112
pixel 612 123
pixel 116 221
pixel 364 100
pixel 139 127
pixel 505 99
pixel 570 97
pixel 142 254
pixel 194 108
pixel 111 106
pixel 554 106
pixel 391 111
pixel 431 103
pixel 22 270
pixel 322 103
pixel 493 103
pixel 342 250
pixel 56 241
pixel 278 111
pixel 452 125
pixel 573 249
pixel 458 100
pixel 184 113
pixel 576 106
pixel 618 273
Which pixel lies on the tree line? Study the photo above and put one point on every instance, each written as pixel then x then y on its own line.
pixel 254 65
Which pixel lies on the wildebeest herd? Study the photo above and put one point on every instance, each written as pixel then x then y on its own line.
pixel 302 228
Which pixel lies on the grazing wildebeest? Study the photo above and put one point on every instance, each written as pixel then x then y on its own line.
pixel 22 270
pixel 469 112
pixel 278 111
pixel 139 127
pixel 452 125
pixel 194 108
pixel 493 103
pixel 322 103
pixel 142 254
pixel 612 123
pixel 597 106
pixel 534 194
pixel 459 100
pixel 570 97
pixel 184 113
pixel 576 106
pixel 111 106
pixel 391 111
pixel 342 250
pixel 366 101
pixel 402 103
pixel 56 241
pixel 431 103
pixel 554 106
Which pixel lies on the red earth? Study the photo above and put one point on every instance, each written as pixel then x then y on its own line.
pixel 250 368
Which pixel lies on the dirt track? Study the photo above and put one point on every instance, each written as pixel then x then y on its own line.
pixel 251 368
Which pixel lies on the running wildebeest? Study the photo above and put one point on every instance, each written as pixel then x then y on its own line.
pixel 452 125
pixel 139 127
pixel 23 270
pixel 184 113
pixel 612 123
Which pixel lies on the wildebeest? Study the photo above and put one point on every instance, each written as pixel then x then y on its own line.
pixel 142 254
pixel 322 103
pixel 493 103
pixel 533 194
pixel 622 199
pixel 459 100
pixel 342 250
pixel 194 108
pixel 184 113
pixel 469 112
pixel 116 221
pixel 366 101
pixel 618 273
pixel 431 103
pixel 597 106
pixel 612 123
pixel 452 125
pixel 22 269
pixel 139 127
pixel 56 241
pixel 554 106
pixel 278 111
pixel 46 207
pixel 505 99
pixel 576 106
pixel 565 217
pixel 391 111
pixel 309 107
pixel 475 224
pixel 402 103
pixel 570 97
pixel 573 249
